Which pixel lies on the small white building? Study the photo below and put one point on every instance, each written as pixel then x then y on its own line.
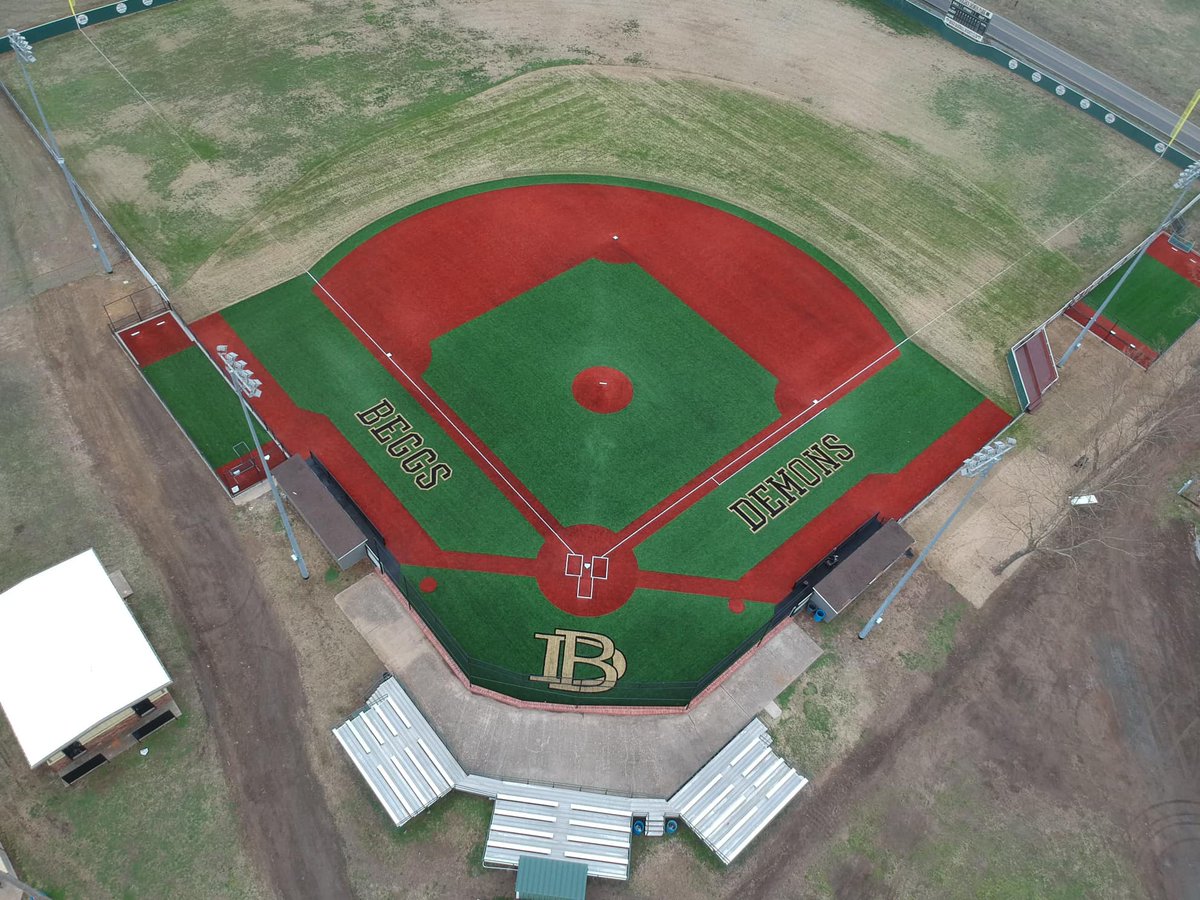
pixel 79 682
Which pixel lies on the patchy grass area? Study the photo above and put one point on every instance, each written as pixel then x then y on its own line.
pixel 819 714
pixel 959 840
pixel 888 16
pixel 298 135
pixel 159 826
pixel 938 643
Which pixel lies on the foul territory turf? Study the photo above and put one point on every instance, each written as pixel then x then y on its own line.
pixel 1159 301
pixel 203 404
pixel 600 419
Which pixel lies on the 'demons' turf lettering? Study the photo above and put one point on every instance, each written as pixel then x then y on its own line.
pixel 776 493
pixel 404 444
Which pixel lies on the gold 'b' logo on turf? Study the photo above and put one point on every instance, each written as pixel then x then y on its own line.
pixel 562 656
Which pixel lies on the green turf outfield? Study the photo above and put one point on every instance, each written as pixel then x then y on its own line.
pixel 665 636
pixel 887 421
pixel 203 403
pixel 508 374
pixel 327 370
pixel 1156 305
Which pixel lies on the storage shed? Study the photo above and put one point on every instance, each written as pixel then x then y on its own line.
pixel 550 879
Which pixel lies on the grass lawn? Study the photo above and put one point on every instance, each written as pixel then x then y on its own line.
pixel 203 403
pixel 696 396
pixel 1156 304
pixel 153 827
pixel 970 845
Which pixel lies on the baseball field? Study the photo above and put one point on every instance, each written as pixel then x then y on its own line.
pixel 600 407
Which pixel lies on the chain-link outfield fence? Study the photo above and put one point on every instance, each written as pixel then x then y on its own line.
pixel 488 675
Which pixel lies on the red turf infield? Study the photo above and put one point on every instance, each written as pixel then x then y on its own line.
pixel 154 339
pixel 445 266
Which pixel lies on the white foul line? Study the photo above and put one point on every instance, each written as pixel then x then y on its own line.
pixel 433 403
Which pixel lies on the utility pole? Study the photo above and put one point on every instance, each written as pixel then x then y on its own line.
pixel 977 467
pixel 24 53
pixel 1186 178
pixel 244 385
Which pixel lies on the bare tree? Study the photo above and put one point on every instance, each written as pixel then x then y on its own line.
pixel 1043 514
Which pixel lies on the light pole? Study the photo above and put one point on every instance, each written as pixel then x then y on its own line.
pixel 24 53
pixel 977 467
pixel 1186 178
pixel 244 385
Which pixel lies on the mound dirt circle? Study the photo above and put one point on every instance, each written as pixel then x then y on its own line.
pixel 602 389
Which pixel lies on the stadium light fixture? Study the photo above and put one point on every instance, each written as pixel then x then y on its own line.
pixel 245 385
pixel 24 52
pixel 977 467
pixel 1185 180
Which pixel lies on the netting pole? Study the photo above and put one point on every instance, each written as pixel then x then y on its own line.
pixel 24 54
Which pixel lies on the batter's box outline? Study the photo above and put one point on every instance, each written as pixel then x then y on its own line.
pixel 586 573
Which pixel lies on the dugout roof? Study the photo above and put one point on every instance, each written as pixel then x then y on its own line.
pixel 73 656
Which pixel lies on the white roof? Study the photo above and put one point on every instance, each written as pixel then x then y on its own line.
pixel 72 656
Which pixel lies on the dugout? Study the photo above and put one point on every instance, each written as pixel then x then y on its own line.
pixel 853 566
pixel 337 532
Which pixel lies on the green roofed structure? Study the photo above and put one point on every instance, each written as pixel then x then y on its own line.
pixel 550 879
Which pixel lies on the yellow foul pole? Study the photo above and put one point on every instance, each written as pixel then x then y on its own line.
pixel 1183 119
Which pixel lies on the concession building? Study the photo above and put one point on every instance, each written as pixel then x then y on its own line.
pixel 79 683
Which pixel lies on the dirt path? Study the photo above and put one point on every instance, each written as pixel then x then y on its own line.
pixel 246 665
pixel 1077 684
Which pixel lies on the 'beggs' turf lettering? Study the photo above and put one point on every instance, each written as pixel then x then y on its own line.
pixel 776 493
pixel 404 444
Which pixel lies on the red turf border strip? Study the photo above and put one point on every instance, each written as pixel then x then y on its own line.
pixel 155 339
pixel 1178 261
pixel 1111 334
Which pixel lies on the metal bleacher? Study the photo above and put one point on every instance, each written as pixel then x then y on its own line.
pixel 408 767
pixel 398 753
pixel 737 793
pixel 556 823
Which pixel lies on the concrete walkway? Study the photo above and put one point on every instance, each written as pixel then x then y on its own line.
pixel 649 756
